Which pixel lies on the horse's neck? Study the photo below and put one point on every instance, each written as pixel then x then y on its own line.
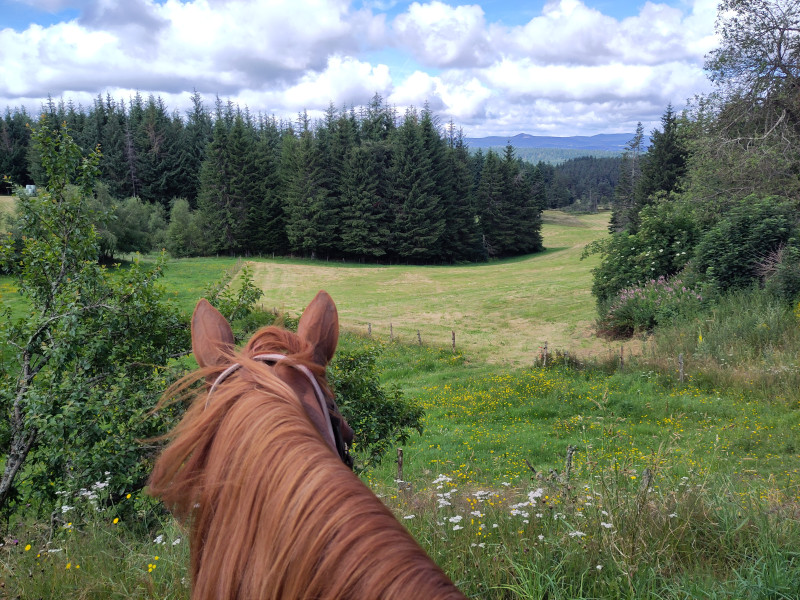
pixel 291 521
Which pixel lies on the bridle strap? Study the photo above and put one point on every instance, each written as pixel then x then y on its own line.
pixel 276 358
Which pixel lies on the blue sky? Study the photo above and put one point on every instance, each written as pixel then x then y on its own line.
pixel 495 67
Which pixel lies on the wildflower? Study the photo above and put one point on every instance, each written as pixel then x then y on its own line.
pixel 673 515
pixel 599 567
pixel 455 519
pixel 128 496
pixel 159 539
pixel 115 521
pixel 541 537
pixel 457 527
pixel 576 533
pixel 606 525
pixel 178 540
pixel 28 547
pixel 406 517
pixel 69 565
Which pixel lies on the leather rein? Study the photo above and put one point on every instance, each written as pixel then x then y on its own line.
pixel 333 433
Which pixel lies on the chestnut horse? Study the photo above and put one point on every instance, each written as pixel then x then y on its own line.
pixel 257 469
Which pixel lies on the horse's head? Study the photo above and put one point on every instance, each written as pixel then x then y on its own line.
pixel 299 361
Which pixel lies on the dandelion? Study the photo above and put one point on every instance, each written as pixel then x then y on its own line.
pixel 115 521
pixel 128 496
pixel 27 548
pixel 69 566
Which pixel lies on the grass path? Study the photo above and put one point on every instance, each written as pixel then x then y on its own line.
pixel 501 312
pixel 6 207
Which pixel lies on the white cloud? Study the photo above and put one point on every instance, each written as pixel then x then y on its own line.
pixel 568 68
pixel 444 36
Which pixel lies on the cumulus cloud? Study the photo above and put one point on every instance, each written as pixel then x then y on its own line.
pixel 444 36
pixel 570 69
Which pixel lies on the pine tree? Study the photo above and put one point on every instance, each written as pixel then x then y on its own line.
pixel 662 167
pixel 418 215
pixel 629 174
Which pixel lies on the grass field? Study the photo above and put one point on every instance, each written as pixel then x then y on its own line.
pixel 501 312
pixel 676 490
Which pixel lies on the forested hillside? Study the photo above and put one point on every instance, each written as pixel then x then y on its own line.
pixel 360 184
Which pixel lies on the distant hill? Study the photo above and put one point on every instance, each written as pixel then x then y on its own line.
pixel 607 142
pixel 555 150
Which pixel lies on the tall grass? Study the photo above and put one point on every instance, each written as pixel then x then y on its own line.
pixel 748 339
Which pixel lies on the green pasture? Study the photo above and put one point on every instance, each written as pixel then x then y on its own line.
pixel 675 490
pixel 501 312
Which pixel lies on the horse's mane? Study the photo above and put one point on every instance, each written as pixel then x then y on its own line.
pixel 273 512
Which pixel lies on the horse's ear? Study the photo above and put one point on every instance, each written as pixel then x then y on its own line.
pixel 319 326
pixel 212 337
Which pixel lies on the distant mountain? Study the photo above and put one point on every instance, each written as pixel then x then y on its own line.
pixel 603 142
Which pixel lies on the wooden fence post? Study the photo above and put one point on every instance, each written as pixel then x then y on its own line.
pixel 680 367
pixel 369 329
pixel 544 362
pixel 621 358
pixel 568 465
pixel 454 341
pixel 391 333
pixel 400 467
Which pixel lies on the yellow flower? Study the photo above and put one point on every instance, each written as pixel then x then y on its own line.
pixel 116 520
pixel 69 565
pixel 128 496
pixel 28 547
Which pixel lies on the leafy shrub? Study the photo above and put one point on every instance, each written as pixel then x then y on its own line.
pixel 642 307
pixel 234 302
pixel 729 255
pixel 661 247
pixel 381 418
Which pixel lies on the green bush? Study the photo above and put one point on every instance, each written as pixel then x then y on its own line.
pixel 733 252
pixel 381 418
pixel 661 247
pixel 656 302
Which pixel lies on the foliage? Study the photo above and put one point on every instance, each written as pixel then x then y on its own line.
pixel 234 301
pixel 87 362
pixel 641 308
pixel 728 255
pixel 381 417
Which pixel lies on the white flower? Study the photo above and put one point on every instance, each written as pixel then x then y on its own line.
pixel 66 508
pixel 159 539
pixel 673 515
pixel 495 526
pixel 536 493
pixel 476 513
pixel 176 542
pixel 455 519
pixel 457 527
pixel 599 567
pixel 576 533
pixel 539 515
pixel 505 483
pixel 409 516
pixel 541 537
pixel 606 525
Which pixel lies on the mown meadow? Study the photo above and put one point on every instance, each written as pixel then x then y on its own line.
pixel 578 479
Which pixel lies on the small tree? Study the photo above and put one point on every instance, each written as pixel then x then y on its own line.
pixel 83 366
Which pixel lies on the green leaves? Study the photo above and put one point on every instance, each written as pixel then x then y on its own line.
pixel 84 367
